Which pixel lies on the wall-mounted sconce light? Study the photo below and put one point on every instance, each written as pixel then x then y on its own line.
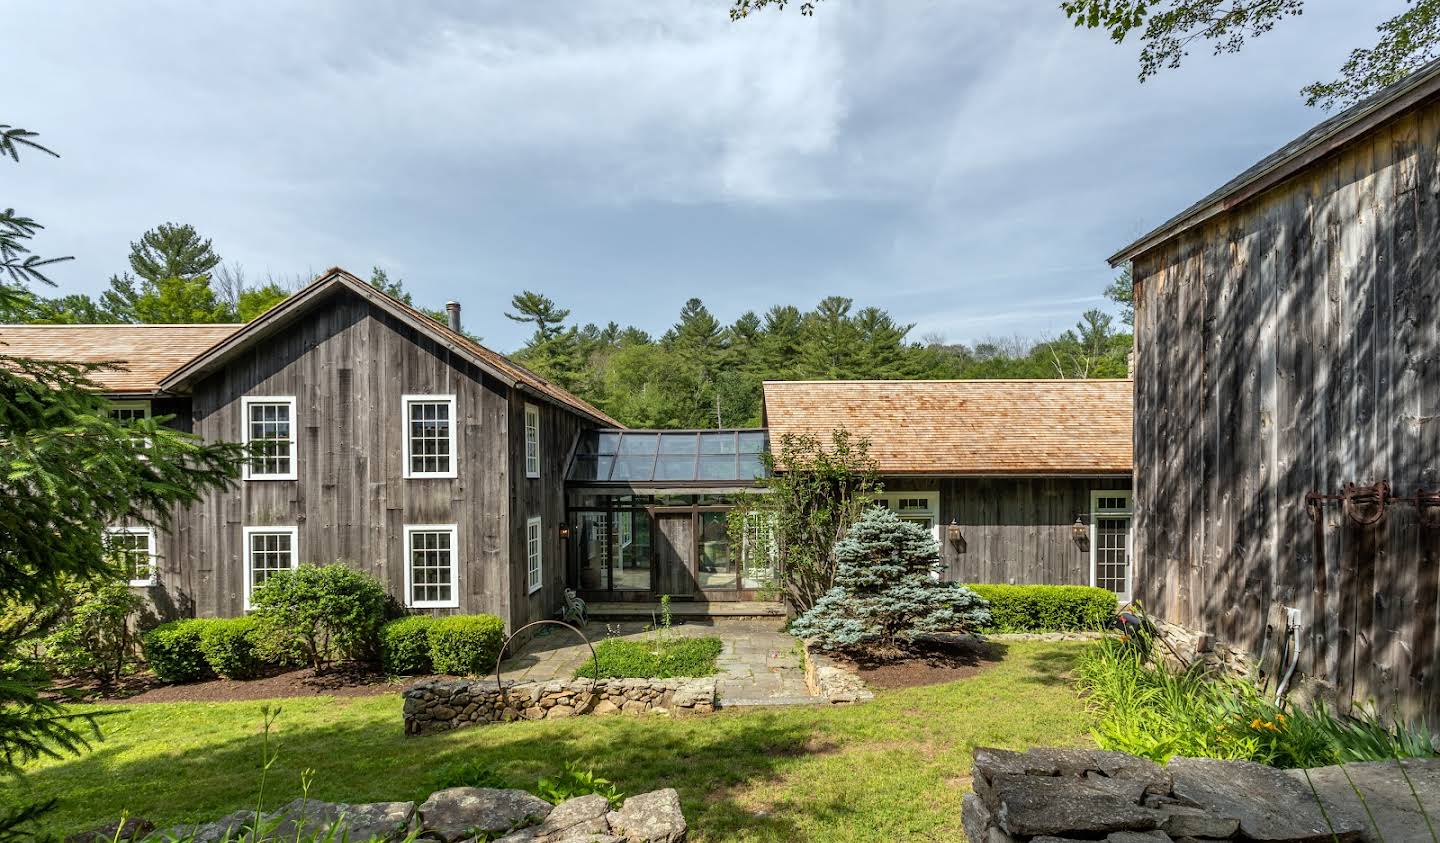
pixel 1080 531
pixel 955 537
pixel 564 531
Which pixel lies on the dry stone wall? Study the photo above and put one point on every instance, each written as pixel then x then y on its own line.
pixel 440 705
pixel 456 815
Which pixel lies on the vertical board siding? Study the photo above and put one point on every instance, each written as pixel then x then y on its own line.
pixel 1016 529
pixel 1288 345
pixel 348 366
pixel 543 497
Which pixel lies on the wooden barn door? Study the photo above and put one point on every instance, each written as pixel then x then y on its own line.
pixel 675 553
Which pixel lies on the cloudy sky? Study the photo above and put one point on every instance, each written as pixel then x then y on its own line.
pixel 967 164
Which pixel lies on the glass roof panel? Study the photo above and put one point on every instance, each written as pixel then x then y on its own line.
pixel 677 443
pixel 751 467
pixel 634 469
pixel 675 467
pixel 718 467
pixel 638 443
pixel 657 457
pixel 717 443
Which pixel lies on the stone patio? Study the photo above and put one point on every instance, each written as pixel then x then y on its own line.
pixel 760 665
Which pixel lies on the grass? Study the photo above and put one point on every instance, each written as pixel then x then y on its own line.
pixel 667 659
pixel 893 769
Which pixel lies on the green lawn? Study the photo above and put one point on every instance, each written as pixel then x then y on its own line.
pixel 892 769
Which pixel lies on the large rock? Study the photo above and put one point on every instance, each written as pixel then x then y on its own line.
pixel 131 828
pixel 1026 806
pixel 368 821
pixel 1267 803
pixel 1387 794
pixel 1072 763
pixel 581 815
pixel 463 812
pixel 653 817
pixel 228 827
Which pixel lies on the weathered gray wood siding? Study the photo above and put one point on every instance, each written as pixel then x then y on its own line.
pixel 543 497
pixel 348 365
pixel 1287 345
pixel 1015 530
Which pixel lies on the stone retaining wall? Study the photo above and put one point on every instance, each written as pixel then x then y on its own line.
pixel 829 681
pixel 440 705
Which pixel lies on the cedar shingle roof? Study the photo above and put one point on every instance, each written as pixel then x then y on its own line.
pixel 971 427
pixel 336 279
pixel 143 353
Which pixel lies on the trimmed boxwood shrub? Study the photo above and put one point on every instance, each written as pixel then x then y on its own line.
pixel 229 647
pixel 465 645
pixel 405 645
pixel 1047 608
pixel 317 613
pixel 173 651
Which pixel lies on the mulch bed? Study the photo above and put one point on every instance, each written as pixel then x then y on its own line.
pixel 343 680
pixel 925 662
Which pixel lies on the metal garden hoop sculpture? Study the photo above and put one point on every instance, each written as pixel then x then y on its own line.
pixel 594 659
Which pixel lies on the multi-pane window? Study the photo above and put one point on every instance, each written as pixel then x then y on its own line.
pixel 267 550
pixel 534 554
pixel 921 508
pixel 1112 567
pixel 127 411
pixel 532 441
pixel 132 550
pixel 431 570
pixel 429 435
pixel 270 436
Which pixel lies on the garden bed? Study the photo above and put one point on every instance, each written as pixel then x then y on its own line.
pixel 345 680
pixel 925 662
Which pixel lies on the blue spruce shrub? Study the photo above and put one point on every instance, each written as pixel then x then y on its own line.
pixel 887 589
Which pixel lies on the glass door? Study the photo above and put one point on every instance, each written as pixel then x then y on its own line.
pixel 1110 559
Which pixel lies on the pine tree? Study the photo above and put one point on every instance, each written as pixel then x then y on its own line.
pixel 67 471
pixel 541 311
pixel 172 251
pixel 887 590
pixel 829 341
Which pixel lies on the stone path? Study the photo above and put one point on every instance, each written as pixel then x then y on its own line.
pixel 760 665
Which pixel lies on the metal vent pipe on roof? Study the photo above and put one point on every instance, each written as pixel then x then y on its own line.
pixel 452 312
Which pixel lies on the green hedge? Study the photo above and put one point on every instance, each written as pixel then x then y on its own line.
pixel 1047 608
pixel 229 647
pixel 465 645
pixel 173 651
pixel 405 645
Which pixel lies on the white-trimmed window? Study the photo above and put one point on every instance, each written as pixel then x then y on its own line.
pixel 268 550
pixel 129 410
pixel 269 433
pixel 132 550
pixel 432 573
pixel 534 554
pixel 532 441
pixel 429 435
pixel 1110 541
pixel 921 508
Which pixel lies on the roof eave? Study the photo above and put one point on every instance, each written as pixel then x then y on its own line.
pixel 279 317
pixel 1405 95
